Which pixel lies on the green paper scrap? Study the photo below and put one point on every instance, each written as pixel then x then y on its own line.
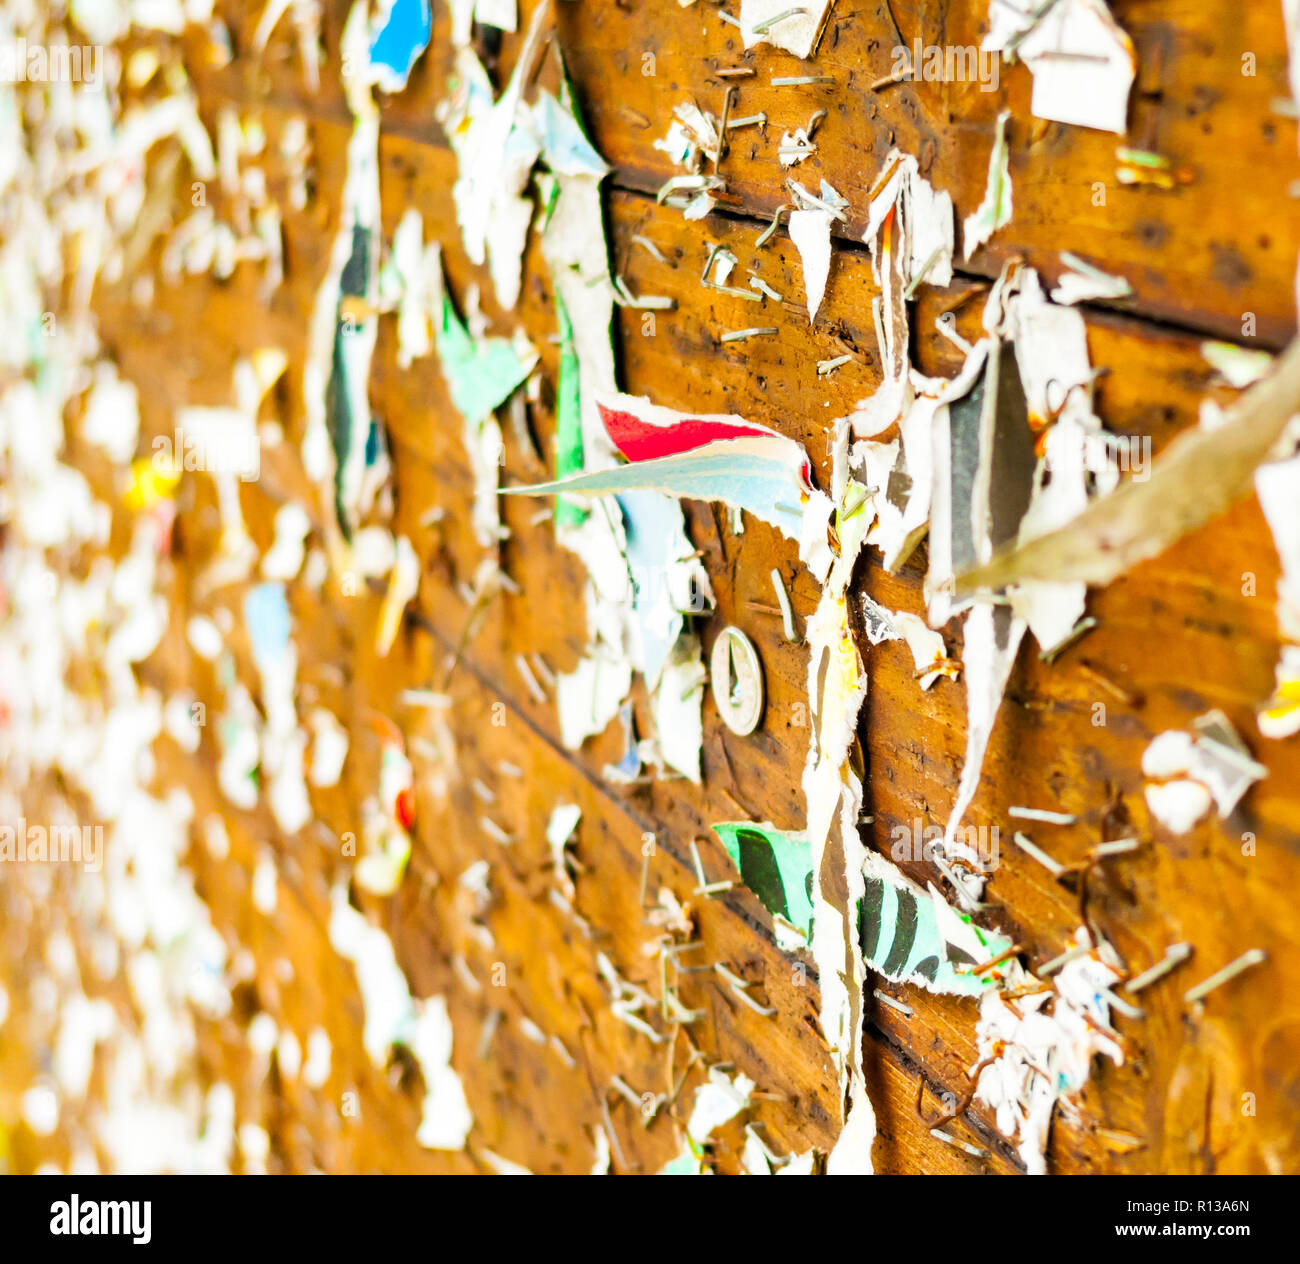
pixel 776 867
pixel 906 934
pixel 995 210
pixel 568 421
pixel 481 373
pixel 903 937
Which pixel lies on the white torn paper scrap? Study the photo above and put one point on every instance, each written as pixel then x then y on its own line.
pixel 794 29
pixel 800 1165
pixel 1051 354
pixel 676 708
pixel 691 138
pixel 899 476
pixel 926 217
pixel 795 147
pixel 412 280
pixel 719 1099
pixel 503 14
pixel 112 417
pixel 995 210
pixel 926 645
pixel 1083 283
pixel 283 560
pixel 668 581
pixel 810 230
pixel 1081 59
pixel 563 821
pixel 502 1167
pixel 1238 366
pixel 993 636
pixel 1190 772
pixel 329 748
pixel 394 1017
pixel 589 696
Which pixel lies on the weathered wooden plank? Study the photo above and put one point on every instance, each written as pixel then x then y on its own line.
pixel 1176 634
pixel 1209 254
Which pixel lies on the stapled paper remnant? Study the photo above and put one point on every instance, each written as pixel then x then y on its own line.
pixel 1017 449
pixel 395 1018
pixel 792 27
pixel 913 935
pixel 910 236
pixel 926 645
pixel 906 933
pixel 1191 773
pixel 923 237
pixel 832 787
pixel 692 137
pixel 810 230
pixel 496 147
pixel 795 147
pixel 1034 1057
pixel 668 581
pixel 809 226
pixel 1200 474
pixel 901 473
pixel 1081 59
pixel 643 580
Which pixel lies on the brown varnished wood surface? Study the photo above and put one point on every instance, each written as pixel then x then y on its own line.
pixel 1177 635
